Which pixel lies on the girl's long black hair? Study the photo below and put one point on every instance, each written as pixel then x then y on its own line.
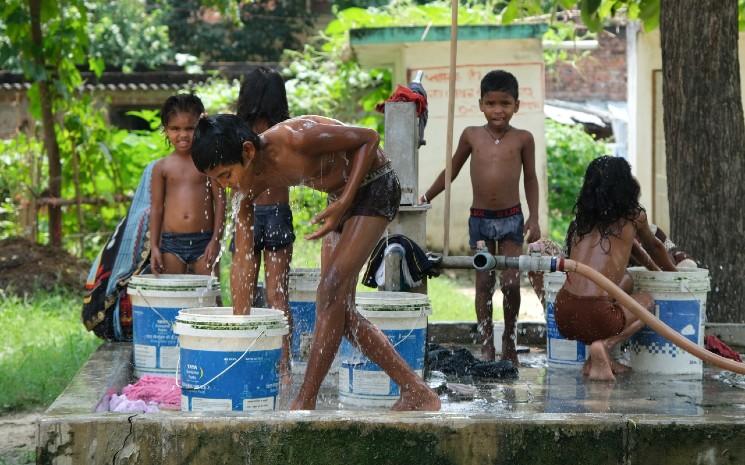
pixel 609 193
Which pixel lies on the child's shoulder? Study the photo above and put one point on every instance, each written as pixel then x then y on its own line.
pixel 524 134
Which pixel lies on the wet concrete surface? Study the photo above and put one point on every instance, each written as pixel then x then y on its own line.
pixel 546 416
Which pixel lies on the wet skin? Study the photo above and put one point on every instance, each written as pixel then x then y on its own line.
pixel 183 201
pixel 611 258
pixel 323 154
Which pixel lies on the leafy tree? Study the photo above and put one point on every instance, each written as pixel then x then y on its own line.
pixel 125 35
pixel 237 31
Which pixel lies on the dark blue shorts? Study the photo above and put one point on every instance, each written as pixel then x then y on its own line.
pixel 273 227
pixel 490 228
pixel 188 247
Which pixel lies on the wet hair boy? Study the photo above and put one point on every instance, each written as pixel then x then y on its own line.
pixel 608 220
pixel 187 210
pixel 499 154
pixel 364 195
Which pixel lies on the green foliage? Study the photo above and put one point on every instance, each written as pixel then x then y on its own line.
pixel 569 149
pixel 18 158
pixel 305 203
pixel 258 30
pixel 218 95
pixel 44 345
pixel 125 34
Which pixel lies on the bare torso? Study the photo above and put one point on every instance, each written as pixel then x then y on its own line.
pixel 610 257
pixel 188 203
pixel 496 168
pixel 326 173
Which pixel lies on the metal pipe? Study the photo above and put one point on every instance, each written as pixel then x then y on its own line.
pixel 536 263
pixel 456 262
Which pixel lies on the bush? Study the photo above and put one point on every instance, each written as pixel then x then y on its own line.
pixel 568 151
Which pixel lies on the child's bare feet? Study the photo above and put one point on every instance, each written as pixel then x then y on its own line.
pixel 419 397
pixel 509 352
pixel 303 401
pixel 586 367
pixel 619 368
pixel 600 367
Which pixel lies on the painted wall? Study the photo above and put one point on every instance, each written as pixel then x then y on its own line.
pixel 522 57
pixel 646 132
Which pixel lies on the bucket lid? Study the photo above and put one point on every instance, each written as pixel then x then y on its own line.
pixel 173 282
pixel 684 280
pixel 223 319
pixel 387 301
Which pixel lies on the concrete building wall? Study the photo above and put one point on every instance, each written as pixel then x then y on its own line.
pixel 598 74
pixel 521 56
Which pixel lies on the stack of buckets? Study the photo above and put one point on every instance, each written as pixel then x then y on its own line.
pixel 303 286
pixel 402 317
pixel 680 302
pixel 562 352
pixel 156 300
pixel 229 362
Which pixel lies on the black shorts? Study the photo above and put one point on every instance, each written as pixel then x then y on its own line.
pixel 378 195
pixel 272 228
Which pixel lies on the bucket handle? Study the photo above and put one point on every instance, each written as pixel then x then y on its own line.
pixel 202 386
pixel 153 308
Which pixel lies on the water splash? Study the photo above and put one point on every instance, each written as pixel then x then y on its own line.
pixel 235 206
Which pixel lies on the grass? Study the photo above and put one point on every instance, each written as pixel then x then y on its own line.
pixel 43 346
pixel 448 302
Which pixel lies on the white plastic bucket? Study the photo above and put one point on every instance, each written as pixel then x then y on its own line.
pixel 156 300
pixel 229 362
pixel 680 302
pixel 402 317
pixel 562 352
pixel 303 285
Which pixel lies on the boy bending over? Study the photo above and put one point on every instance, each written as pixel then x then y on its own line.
pixel 364 195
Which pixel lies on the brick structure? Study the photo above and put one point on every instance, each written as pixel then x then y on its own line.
pixel 598 74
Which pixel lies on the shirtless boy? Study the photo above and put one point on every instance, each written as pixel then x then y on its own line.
pixel 364 195
pixel 186 211
pixel 500 153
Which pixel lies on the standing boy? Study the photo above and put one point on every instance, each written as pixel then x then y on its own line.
pixel 364 195
pixel 186 210
pixel 500 154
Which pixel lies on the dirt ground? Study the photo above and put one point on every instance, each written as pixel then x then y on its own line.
pixel 18 438
pixel 26 266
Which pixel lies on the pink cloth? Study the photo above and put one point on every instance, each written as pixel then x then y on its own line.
pixel 123 405
pixel 161 390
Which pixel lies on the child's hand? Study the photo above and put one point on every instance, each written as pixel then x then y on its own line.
pixel 534 231
pixel 329 218
pixel 481 246
pixel 211 252
pixel 156 261
pixel 423 199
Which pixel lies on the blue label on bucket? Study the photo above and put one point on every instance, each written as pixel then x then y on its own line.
pixel 560 349
pixel 684 316
pixel 154 328
pixel 255 376
pixel 410 346
pixel 303 324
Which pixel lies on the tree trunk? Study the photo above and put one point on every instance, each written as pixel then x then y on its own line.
pixel 705 144
pixel 47 118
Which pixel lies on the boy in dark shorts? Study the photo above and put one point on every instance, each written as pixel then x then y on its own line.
pixel 499 154
pixel 323 154
pixel 186 210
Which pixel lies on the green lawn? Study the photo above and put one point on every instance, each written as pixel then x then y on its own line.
pixel 43 346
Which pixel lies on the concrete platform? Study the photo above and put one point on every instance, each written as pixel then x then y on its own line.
pixel 545 417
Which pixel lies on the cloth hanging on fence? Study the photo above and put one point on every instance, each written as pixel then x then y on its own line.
pixel 414 259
